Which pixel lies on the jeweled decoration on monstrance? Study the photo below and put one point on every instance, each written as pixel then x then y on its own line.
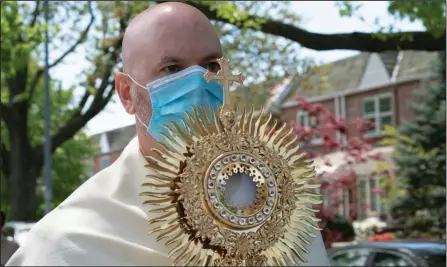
pixel 198 222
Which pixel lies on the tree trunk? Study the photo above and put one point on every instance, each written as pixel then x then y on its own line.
pixel 23 170
pixel 23 189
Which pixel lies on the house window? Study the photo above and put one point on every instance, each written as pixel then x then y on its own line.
pixel 344 202
pixel 104 161
pixel 368 200
pixel 338 201
pixel 379 110
pixel 303 118
pixel 327 203
pixel 91 167
pixel 347 199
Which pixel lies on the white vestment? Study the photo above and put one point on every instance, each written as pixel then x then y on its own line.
pixel 104 223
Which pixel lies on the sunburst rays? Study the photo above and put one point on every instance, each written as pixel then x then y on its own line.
pixel 170 188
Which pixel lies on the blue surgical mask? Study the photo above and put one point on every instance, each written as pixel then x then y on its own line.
pixel 172 95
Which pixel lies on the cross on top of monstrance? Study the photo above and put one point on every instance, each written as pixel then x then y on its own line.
pixel 224 77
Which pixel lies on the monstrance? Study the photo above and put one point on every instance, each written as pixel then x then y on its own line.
pixel 198 221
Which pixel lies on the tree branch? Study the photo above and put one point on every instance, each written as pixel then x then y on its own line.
pixel 34 84
pixel 360 41
pixel 38 74
pixel 80 40
pixel 35 14
pixel 79 120
pixel 99 101
pixel 84 100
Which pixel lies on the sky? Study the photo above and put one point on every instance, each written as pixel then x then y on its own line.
pixel 317 16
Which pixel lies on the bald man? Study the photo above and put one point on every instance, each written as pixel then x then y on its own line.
pixel 166 51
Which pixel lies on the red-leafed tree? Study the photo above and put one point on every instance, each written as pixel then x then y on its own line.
pixel 349 138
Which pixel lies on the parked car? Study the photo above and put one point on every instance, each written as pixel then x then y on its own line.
pixel 393 253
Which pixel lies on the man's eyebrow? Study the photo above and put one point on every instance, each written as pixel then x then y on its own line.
pixel 169 59
pixel 214 55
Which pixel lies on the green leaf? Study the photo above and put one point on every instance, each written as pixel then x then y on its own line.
pixel 348 8
pixel 5 97
pixel 430 13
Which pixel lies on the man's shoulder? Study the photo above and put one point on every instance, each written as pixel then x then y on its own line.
pixel 81 231
pixel 43 244
pixel 98 206
pixel 101 223
pixel 105 234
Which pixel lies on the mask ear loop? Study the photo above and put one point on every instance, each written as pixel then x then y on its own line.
pixel 135 82
pixel 136 116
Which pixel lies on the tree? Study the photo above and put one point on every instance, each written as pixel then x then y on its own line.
pixel 22 29
pixel 70 159
pixel 430 13
pixel 70 167
pixel 421 160
pixel 253 16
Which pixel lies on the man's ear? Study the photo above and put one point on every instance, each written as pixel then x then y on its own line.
pixel 123 87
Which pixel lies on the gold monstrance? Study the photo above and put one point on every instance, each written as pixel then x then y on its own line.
pixel 198 222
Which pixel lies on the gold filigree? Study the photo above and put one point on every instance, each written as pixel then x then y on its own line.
pixel 199 225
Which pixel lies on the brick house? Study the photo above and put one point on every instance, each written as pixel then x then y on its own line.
pixel 111 144
pixel 377 87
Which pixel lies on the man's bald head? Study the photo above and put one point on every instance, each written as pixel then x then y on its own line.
pixel 155 27
pixel 162 40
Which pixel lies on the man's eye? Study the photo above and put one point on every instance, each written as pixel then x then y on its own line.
pixel 171 69
pixel 213 67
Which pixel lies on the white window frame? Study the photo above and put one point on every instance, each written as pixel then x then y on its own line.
pixel 346 203
pixel 376 115
pixel 344 206
pixel 305 115
pixel 326 199
pixel 103 157
pixel 377 198
pixel 341 202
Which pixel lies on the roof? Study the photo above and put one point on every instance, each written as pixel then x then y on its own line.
pixel 389 59
pixel 117 138
pixel 257 94
pixel 347 73
pixel 330 78
pixel 280 91
pixel 417 65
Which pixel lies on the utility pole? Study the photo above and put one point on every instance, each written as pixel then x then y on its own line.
pixel 47 116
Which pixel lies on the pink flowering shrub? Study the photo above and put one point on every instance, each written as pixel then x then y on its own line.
pixel 336 135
